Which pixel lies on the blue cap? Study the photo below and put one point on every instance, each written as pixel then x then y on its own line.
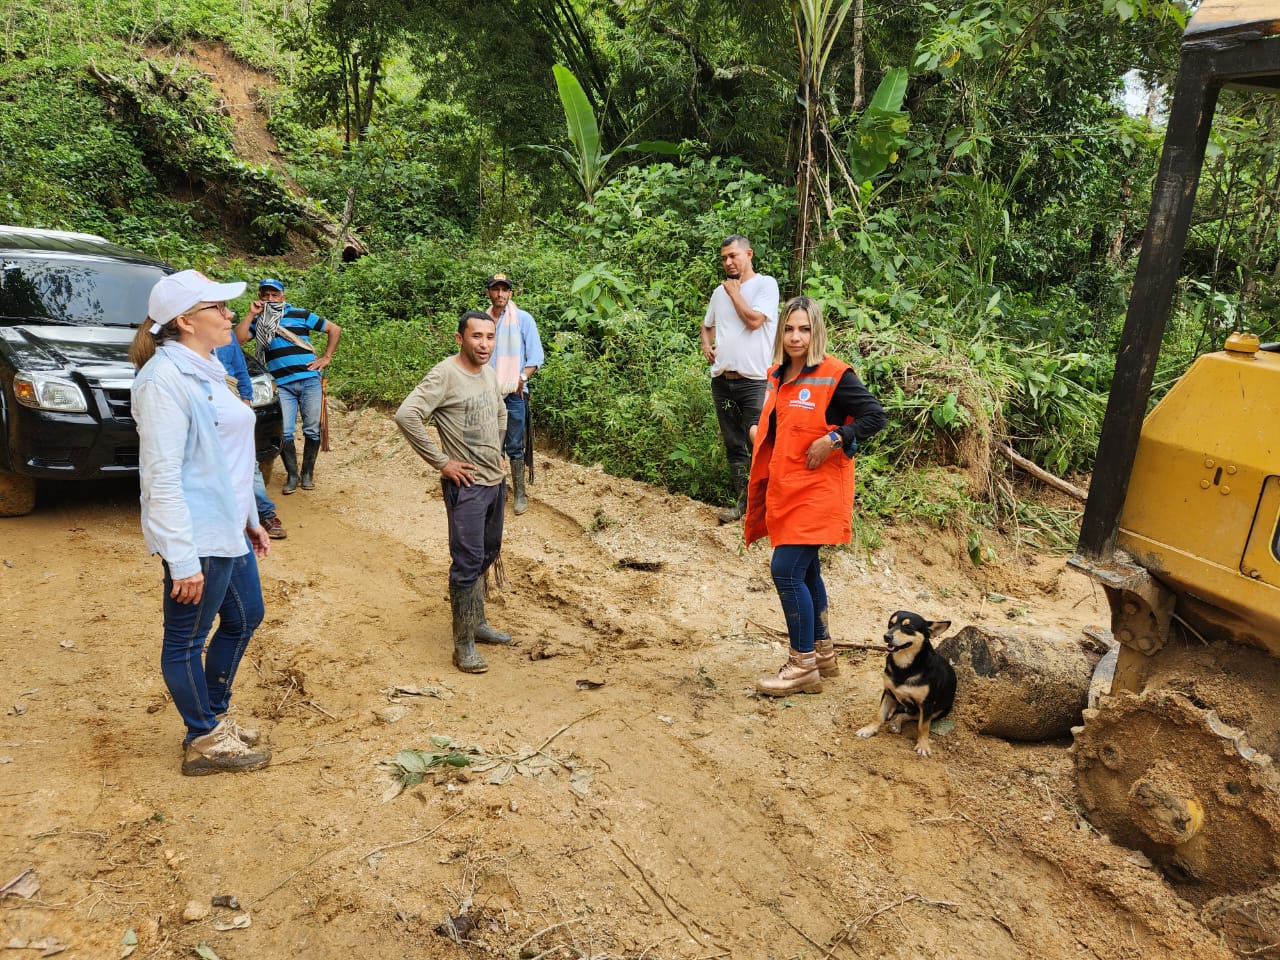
pixel 270 284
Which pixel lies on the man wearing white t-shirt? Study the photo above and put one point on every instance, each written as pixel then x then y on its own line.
pixel 737 340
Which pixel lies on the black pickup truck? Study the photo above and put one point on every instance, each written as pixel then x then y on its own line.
pixel 69 306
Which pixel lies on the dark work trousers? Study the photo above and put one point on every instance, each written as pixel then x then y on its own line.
pixel 475 529
pixel 738 404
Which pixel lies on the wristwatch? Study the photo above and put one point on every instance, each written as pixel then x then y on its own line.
pixel 836 440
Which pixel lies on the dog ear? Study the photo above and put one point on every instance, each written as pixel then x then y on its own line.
pixel 938 627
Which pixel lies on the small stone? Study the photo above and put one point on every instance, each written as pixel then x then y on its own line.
pixel 391 713
pixel 195 910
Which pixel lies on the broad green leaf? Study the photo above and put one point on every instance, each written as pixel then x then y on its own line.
pixel 891 91
pixel 665 147
pixel 411 761
pixel 583 131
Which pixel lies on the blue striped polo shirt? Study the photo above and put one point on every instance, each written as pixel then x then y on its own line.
pixel 286 362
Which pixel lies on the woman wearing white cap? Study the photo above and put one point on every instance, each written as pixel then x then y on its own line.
pixel 198 512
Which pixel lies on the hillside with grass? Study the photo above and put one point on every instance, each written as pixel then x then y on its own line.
pixel 963 189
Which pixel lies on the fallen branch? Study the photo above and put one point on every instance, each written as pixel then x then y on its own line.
pixel 770 631
pixel 554 926
pixel 1044 476
pixel 571 723
pixel 289 879
pixel 854 645
pixel 855 925
pixel 316 707
pixel 405 843
pixel 662 898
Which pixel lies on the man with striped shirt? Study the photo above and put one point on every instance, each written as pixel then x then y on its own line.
pixel 282 333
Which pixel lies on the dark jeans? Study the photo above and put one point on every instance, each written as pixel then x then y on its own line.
pixel 475 529
pixel 199 678
pixel 517 413
pixel 738 404
pixel 798 577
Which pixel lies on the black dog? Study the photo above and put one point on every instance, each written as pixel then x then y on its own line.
pixel 918 681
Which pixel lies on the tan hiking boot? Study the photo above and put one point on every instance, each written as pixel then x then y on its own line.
pixel 825 653
pixel 219 751
pixel 249 736
pixel 798 675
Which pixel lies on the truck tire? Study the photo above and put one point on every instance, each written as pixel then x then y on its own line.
pixel 17 494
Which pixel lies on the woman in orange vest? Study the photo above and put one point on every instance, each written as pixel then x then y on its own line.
pixel 800 494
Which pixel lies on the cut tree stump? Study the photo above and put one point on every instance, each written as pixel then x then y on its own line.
pixel 1021 683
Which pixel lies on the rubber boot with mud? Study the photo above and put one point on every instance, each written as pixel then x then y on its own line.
pixel 484 632
pixel 518 477
pixel 823 647
pixel 798 675
pixel 289 457
pixel 740 474
pixel 465 657
pixel 310 450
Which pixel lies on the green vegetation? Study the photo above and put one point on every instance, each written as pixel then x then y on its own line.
pixel 957 183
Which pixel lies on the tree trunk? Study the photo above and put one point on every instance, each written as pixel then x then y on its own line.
pixel 859 59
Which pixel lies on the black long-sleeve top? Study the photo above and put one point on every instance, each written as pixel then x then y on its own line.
pixel 851 399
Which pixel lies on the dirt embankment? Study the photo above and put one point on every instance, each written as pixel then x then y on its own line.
pixel 667 812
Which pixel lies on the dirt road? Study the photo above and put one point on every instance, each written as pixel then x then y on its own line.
pixel 667 813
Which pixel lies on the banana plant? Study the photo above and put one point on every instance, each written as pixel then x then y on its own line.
pixel 881 130
pixel 587 162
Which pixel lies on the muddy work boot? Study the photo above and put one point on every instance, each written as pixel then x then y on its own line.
pixel 798 675
pixel 735 512
pixel 824 649
pixel 465 657
pixel 518 477
pixel 484 632
pixel 249 736
pixel 310 450
pixel 289 457
pixel 220 751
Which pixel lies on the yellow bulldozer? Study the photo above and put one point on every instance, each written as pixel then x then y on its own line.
pixel 1182 531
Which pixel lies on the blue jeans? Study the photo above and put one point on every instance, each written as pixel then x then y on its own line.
pixel 798 577
pixel 266 508
pixel 517 414
pixel 301 395
pixel 199 680
pixel 475 529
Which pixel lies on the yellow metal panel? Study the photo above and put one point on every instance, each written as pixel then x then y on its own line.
pixel 1213 16
pixel 1260 560
pixel 1205 454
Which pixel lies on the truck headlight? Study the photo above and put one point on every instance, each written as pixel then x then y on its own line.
pixel 264 390
pixel 45 391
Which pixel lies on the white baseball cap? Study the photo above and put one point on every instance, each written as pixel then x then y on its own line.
pixel 179 292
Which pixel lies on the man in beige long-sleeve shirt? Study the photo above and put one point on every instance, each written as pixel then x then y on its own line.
pixel 461 394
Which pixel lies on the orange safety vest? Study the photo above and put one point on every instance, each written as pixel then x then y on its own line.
pixel 787 501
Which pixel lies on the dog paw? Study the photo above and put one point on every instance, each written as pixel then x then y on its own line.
pixel 923 749
pixel 869 731
pixel 895 725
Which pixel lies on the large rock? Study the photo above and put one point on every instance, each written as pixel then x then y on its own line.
pixel 1021 683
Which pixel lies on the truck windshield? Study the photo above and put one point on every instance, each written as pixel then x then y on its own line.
pixel 77 290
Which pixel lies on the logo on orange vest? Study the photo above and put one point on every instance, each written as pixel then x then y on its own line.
pixel 802 400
